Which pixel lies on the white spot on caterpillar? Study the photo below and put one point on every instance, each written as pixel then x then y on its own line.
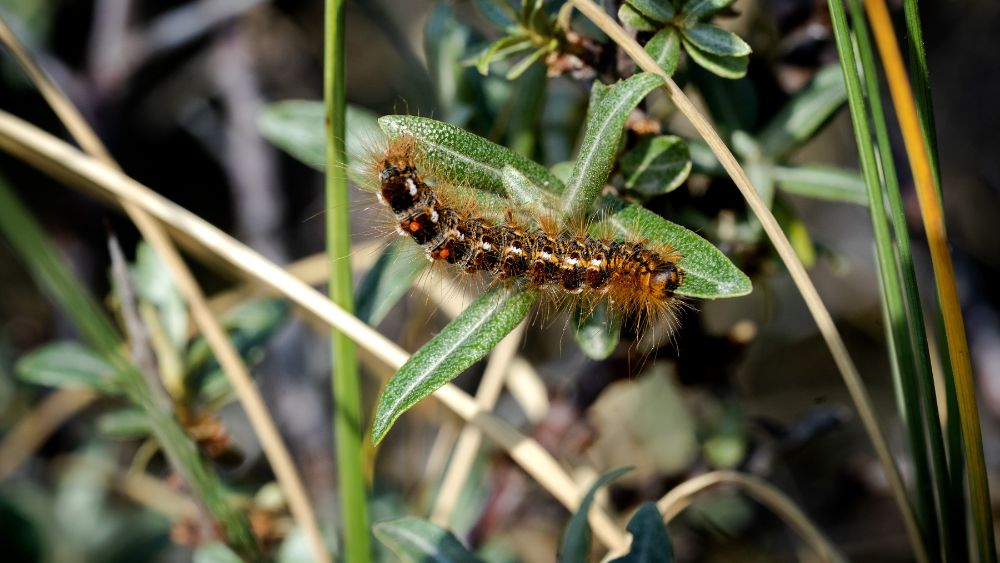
pixel 545 255
pixel 434 216
pixel 486 245
pixel 572 261
pixel 428 256
pixel 515 250
pixel 411 186
pixel 596 262
pixel 400 231
pixel 380 198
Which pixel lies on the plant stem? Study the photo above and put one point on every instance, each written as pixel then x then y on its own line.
pixel 944 274
pixel 347 423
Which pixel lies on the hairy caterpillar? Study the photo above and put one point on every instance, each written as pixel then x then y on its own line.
pixel 630 276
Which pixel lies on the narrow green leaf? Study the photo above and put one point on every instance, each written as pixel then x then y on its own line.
pixel 388 281
pixel 665 48
pixel 632 18
pixel 296 127
pixel 414 540
pixel 731 102
pixel 154 285
pixel 657 10
pixel 466 340
pixel 657 165
pixel 125 424
pixel 708 273
pixel 597 332
pixel 696 10
pixel 68 364
pixel 464 158
pixel 500 49
pixel 650 542
pixel 805 113
pixel 726 67
pixel 717 41
pixel 576 538
pixel 822 182
pixel 600 141
pixel 522 193
pixel 524 64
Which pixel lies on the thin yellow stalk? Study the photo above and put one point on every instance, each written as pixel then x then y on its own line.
pixel 821 315
pixel 59 159
pixel 944 274
pixel 226 354
pixel 681 496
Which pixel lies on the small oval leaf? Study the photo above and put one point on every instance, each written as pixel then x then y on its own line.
pixel 665 48
pixel 708 273
pixel 657 165
pixel 464 158
pixel 414 540
pixel 69 365
pixel 650 542
pixel 726 67
pixel 717 41
pixel 658 10
pixel 605 123
pixel 696 10
pixel 576 538
pixel 634 19
pixel 124 424
pixel 597 332
pixel 465 340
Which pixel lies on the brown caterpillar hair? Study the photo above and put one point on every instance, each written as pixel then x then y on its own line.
pixel 631 276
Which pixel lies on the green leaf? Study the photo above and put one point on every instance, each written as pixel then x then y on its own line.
pixel 524 64
pixel 801 117
pixel 576 538
pixel 501 49
pixel 632 18
pixel 657 165
pixel 708 273
pixel 650 543
pixel 68 364
pixel 389 280
pixel 658 10
pixel 464 158
pixel 597 332
pixel 414 540
pixel 154 284
pixel 665 48
pixel 296 127
pixel 703 160
pixel 726 67
pixel 822 182
pixel 125 424
pixel 717 41
pixel 465 340
pixel 498 12
pixel 522 193
pixel 696 10
pixel 600 140
pixel 215 552
pixel 732 103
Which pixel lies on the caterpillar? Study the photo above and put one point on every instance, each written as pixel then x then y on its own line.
pixel 631 276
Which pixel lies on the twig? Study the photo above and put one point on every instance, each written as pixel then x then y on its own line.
pixel 681 496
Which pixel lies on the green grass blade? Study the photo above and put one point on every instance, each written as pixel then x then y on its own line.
pixel 911 370
pixel 348 420
pixel 920 77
